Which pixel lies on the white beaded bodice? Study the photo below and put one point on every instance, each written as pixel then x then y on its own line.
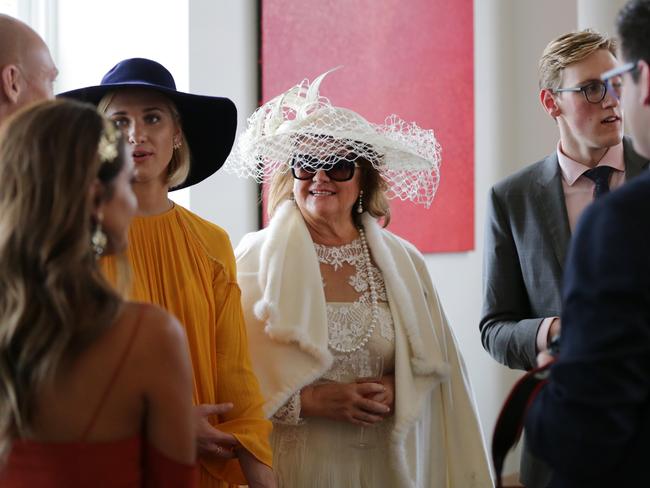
pixel 350 328
pixel 353 335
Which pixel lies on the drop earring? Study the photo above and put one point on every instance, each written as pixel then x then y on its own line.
pixel 360 204
pixel 99 239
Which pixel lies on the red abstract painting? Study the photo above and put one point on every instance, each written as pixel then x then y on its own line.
pixel 414 59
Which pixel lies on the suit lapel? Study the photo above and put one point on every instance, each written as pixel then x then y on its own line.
pixel 550 199
pixel 549 196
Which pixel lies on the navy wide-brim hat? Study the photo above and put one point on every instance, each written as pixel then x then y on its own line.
pixel 209 123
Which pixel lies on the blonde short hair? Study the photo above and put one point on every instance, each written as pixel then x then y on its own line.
pixel 569 49
pixel 179 165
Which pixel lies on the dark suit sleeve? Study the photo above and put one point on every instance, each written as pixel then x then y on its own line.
pixel 592 418
pixel 508 332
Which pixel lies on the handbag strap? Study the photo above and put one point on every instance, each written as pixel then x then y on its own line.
pixel 510 422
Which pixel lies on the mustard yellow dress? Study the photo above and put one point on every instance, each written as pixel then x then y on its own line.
pixel 186 265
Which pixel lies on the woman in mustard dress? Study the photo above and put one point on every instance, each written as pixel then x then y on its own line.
pixel 186 264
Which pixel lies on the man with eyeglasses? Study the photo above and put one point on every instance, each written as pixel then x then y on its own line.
pixel 532 213
pixel 591 421
pixel 27 71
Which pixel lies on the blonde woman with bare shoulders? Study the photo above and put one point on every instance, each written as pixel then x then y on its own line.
pixel 95 391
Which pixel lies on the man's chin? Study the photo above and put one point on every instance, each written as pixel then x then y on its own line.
pixel 611 140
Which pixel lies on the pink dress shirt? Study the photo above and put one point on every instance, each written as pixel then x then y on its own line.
pixel 578 193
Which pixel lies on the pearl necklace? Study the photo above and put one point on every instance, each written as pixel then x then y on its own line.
pixel 373 300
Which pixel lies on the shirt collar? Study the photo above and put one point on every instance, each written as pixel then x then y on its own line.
pixel 572 170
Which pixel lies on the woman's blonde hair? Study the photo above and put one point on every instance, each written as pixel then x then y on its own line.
pixel 569 49
pixel 179 164
pixel 374 187
pixel 54 299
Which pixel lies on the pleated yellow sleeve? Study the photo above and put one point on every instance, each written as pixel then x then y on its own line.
pixel 187 266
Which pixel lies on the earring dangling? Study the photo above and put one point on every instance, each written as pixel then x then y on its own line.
pixel 177 145
pixel 99 239
pixel 360 204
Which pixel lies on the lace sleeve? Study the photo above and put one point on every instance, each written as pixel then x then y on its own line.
pixel 289 413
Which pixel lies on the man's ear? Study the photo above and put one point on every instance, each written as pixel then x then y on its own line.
pixel 11 81
pixel 549 103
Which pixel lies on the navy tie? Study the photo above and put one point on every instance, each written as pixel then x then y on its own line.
pixel 600 176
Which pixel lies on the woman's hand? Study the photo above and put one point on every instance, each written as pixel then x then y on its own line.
pixel 387 397
pixel 210 440
pixel 347 402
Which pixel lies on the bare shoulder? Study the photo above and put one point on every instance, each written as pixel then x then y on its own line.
pixel 153 319
pixel 160 335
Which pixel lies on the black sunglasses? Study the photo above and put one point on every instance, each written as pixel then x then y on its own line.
pixel 304 167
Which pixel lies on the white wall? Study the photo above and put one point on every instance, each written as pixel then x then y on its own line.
pixel 599 14
pixel 223 62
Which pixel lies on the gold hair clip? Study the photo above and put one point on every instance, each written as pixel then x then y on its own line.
pixel 108 141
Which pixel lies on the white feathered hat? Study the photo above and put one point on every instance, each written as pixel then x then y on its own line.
pixel 300 120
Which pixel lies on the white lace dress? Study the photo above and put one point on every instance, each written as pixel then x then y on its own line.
pixel 321 453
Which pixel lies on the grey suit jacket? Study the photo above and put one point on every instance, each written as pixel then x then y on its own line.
pixel 526 239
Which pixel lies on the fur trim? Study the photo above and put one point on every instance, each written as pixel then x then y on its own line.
pixel 324 358
pixel 401 430
pixel 286 223
pixel 279 398
pixel 260 309
pixel 423 362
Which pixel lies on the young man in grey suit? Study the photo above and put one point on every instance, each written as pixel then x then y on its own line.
pixel 532 213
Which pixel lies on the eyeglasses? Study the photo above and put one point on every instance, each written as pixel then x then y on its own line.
pixel 594 91
pixel 608 77
pixel 304 167
pixel 621 70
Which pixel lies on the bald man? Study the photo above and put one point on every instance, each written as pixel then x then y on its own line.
pixel 27 71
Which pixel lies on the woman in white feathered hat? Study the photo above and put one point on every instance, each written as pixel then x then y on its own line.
pixel 359 368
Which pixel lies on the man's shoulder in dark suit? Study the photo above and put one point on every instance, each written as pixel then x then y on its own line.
pixel 599 385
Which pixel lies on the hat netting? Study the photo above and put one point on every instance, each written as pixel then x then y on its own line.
pixel 300 123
